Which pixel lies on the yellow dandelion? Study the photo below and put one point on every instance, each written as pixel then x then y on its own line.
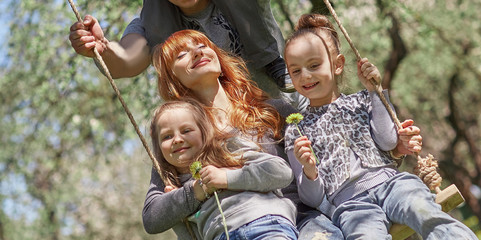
pixel 195 168
pixel 294 118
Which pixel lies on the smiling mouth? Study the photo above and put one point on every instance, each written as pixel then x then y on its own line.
pixel 180 149
pixel 307 87
pixel 200 62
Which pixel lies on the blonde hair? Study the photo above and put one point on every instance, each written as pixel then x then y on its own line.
pixel 250 114
pixel 213 151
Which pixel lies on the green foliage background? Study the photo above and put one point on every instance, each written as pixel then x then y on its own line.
pixel 72 167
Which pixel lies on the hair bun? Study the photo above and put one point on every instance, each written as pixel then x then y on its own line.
pixel 313 21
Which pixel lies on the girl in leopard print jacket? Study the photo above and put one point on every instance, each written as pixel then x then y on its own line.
pixel 352 135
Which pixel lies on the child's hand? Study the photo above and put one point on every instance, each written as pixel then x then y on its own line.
pixel 200 191
pixel 169 188
pixel 410 140
pixel 214 177
pixel 303 153
pixel 367 71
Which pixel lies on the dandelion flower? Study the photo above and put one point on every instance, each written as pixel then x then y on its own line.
pixel 195 168
pixel 296 118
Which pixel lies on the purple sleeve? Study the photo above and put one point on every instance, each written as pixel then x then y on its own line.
pixel 164 210
pixel 383 129
pixel 311 192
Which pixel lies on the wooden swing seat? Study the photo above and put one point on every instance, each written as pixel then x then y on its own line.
pixel 449 198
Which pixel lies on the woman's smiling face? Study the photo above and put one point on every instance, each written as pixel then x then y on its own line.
pixel 196 65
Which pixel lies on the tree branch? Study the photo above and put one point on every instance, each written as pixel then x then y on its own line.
pixel 398 50
pixel 456 173
pixel 284 11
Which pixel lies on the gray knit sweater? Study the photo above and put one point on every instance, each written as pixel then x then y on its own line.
pixel 253 192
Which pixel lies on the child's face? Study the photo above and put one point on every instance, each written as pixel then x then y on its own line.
pixel 197 66
pixel 310 69
pixel 180 138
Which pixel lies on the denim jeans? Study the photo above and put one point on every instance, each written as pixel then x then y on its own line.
pixel 313 224
pixel 267 227
pixel 404 199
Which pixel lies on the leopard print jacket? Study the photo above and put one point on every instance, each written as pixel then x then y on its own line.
pixel 336 128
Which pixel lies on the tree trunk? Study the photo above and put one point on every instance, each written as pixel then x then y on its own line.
pixel 286 14
pixel 453 169
pixel 398 49
pixel 318 6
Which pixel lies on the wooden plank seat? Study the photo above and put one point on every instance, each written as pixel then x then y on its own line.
pixel 449 198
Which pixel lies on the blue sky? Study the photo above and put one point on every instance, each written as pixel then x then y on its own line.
pixel 4 16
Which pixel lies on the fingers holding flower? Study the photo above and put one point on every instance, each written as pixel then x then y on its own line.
pixel 213 177
pixel 304 154
pixel 204 174
pixel 302 151
pixel 295 118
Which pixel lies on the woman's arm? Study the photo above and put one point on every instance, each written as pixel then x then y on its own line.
pixel 262 172
pixel 164 210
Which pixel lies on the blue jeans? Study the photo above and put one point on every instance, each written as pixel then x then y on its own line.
pixel 404 199
pixel 313 224
pixel 267 227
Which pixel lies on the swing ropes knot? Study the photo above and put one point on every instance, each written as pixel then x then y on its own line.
pixel 105 69
pixel 426 170
pixel 426 167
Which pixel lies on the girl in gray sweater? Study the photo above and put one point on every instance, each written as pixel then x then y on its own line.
pixel 246 179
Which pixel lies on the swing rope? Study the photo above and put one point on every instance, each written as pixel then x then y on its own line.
pixel 426 167
pixel 105 69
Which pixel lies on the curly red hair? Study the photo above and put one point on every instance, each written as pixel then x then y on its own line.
pixel 250 113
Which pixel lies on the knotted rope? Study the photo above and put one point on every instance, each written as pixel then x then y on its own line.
pixel 124 105
pixel 426 167
pixel 426 170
